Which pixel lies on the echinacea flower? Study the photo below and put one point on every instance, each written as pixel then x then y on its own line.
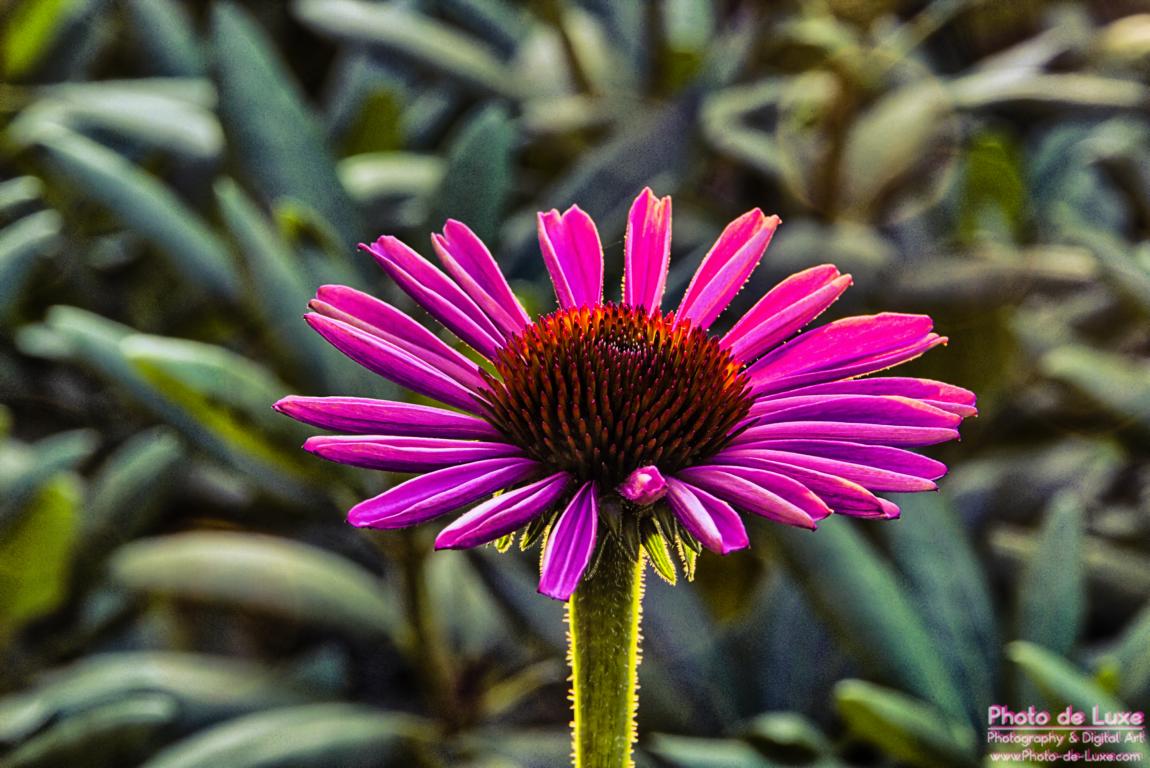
pixel 617 418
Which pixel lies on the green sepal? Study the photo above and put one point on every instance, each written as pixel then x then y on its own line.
pixel 655 543
pixel 503 543
pixel 534 531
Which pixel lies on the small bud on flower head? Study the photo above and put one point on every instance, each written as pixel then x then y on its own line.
pixel 644 486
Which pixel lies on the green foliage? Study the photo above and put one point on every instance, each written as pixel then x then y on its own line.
pixel 177 585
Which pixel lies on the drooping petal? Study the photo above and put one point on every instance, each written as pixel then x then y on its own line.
pixel 752 496
pixel 726 267
pixel 844 496
pixel 393 363
pixel 570 544
pixel 438 294
pixel 647 253
pixel 390 324
pixel 404 454
pixel 853 346
pixel 644 486
pixel 573 255
pixel 875 409
pixel 785 309
pixel 503 514
pixel 939 394
pixel 366 416
pixel 437 493
pixel 870 434
pixel 709 519
pixel 467 259
pixel 876 467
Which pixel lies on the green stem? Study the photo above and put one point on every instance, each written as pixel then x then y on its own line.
pixel 603 617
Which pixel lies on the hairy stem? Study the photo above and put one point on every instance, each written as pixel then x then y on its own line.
pixel 603 618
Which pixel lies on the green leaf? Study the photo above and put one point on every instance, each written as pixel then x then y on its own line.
pixel 262 573
pixel 21 245
pixel 316 736
pixel 224 403
pixel 906 728
pixel 208 688
pixel 107 736
pixel 1051 591
pixel 280 287
pixel 949 589
pixel 146 206
pixel 128 489
pixel 29 32
pixel 164 32
pixel 725 124
pixel 479 177
pixel 1074 92
pixel 862 598
pixel 35 555
pixel 1131 657
pixel 428 43
pixel 25 470
pixel 787 737
pixel 378 176
pixel 684 752
pixel 167 114
pixel 275 138
pixel 1120 385
pixel 1062 684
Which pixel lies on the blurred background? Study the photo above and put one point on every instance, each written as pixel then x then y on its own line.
pixel 178 588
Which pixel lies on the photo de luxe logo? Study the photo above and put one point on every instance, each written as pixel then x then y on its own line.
pixel 1099 735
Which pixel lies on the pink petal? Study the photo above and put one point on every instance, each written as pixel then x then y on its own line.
pixel 574 257
pixel 871 434
pixel 711 520
pixel 644 486
pixel 438 294
pixel 935 393
pixel 404 454
pixel 726 267
pixel 393 363
pixel 467 259
pixel 843 496
pixel 647 252
pixel 785 310
pixel 422 498
pixel 765 383
pixel 365 416
pixel 752 496
pixel 877 468
pixel 385 321
pixel 503 514
pixel 570 544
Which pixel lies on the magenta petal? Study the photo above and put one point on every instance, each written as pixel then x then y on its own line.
pixel 871 434
pixel 644 486
pixel 844 496
pixel 863 409
pixel 764 382
pixel 570 544
pixel 647 252
pixel 438 294
pixel 391 362
pixel 404 454
pixel 752 496
pixel 711 520
pixel 365 416
pixel 503 514
pixel 467 259
pixel 785 310
pixel 437 493
pixel 726 267
pixel 877 468
pixel 935 393
pixel 574 257
pixel 390 324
